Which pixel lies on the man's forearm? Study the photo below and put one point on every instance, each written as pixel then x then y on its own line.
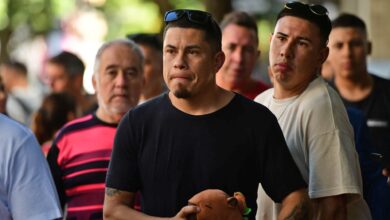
pixel 296 206
pixel 117 205
pixel 123 212
pixel 332 207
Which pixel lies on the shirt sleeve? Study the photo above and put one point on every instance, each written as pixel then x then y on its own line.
pixel 280 175
pixel 52 159
pixel 123 168
pixel 32 192
pixel 333 161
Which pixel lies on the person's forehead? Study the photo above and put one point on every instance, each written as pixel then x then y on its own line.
pixel 347 32
pixel 118 52
pixel 292 25
pixel 231 26
pixel 289 20
pixel 234 32
pixel 119 56
pixel 180 34
pixel 117 48
pixel 55 68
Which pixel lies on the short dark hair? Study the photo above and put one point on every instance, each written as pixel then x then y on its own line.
pixel 349 20
pixel 305 12
pixel 70 62
pixel 239 18
pixel 151 40
pixel 19 67
pixel 211 28
pixel 52 115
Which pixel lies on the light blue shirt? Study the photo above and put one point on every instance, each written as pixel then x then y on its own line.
pixel 27 190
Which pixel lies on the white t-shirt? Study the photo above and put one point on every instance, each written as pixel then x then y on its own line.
pixel 320 138
pixel 27 190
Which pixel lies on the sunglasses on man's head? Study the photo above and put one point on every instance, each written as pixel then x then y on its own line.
pixel 315 9
pixel 194 16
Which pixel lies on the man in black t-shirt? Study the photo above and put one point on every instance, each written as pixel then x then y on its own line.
pixel 348 50
pixel 198 136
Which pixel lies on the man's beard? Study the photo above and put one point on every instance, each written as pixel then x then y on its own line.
pixel 182 93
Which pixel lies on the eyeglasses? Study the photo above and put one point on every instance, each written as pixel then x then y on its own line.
pixel 315 9
pixel 194 16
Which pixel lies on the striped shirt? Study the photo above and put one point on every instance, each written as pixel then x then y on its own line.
pixel 79 160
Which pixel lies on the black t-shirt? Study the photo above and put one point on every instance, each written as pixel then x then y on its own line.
pixel 170 156
pixel 376 108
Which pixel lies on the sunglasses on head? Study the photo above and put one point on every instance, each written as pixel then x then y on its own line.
pixel 315 9
pixel 194 16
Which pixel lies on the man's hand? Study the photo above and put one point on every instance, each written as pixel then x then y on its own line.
pixel 187 213
pixel 118 205
pixel 386 172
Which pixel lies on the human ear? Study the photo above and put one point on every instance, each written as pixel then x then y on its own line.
pixel 324 53
pixel 94 81
pixel 369 48
pixel 219 60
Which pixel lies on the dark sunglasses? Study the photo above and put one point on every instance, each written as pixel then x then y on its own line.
pixel 194 16
pixel 315 9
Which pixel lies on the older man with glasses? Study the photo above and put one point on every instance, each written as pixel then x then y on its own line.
pixel 312 116
pixel 198 136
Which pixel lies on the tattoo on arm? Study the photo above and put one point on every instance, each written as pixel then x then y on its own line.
pixel 112 191
pixel 301 211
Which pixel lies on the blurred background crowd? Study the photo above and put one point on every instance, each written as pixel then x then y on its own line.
pixel 48 48
pixel 33 31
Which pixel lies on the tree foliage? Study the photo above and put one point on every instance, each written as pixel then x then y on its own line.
pixel 21 20
pixel 25 17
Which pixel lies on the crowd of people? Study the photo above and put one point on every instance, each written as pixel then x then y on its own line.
pixel 173 117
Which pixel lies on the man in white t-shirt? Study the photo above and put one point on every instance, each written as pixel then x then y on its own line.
pixel 27 189
pixel 312 116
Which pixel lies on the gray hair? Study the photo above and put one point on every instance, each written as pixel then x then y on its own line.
pixel 125 42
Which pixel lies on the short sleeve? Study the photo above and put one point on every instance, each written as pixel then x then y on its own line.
pixel 329 176
pixel 280 175
pixel 123 168
pixel 32 192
